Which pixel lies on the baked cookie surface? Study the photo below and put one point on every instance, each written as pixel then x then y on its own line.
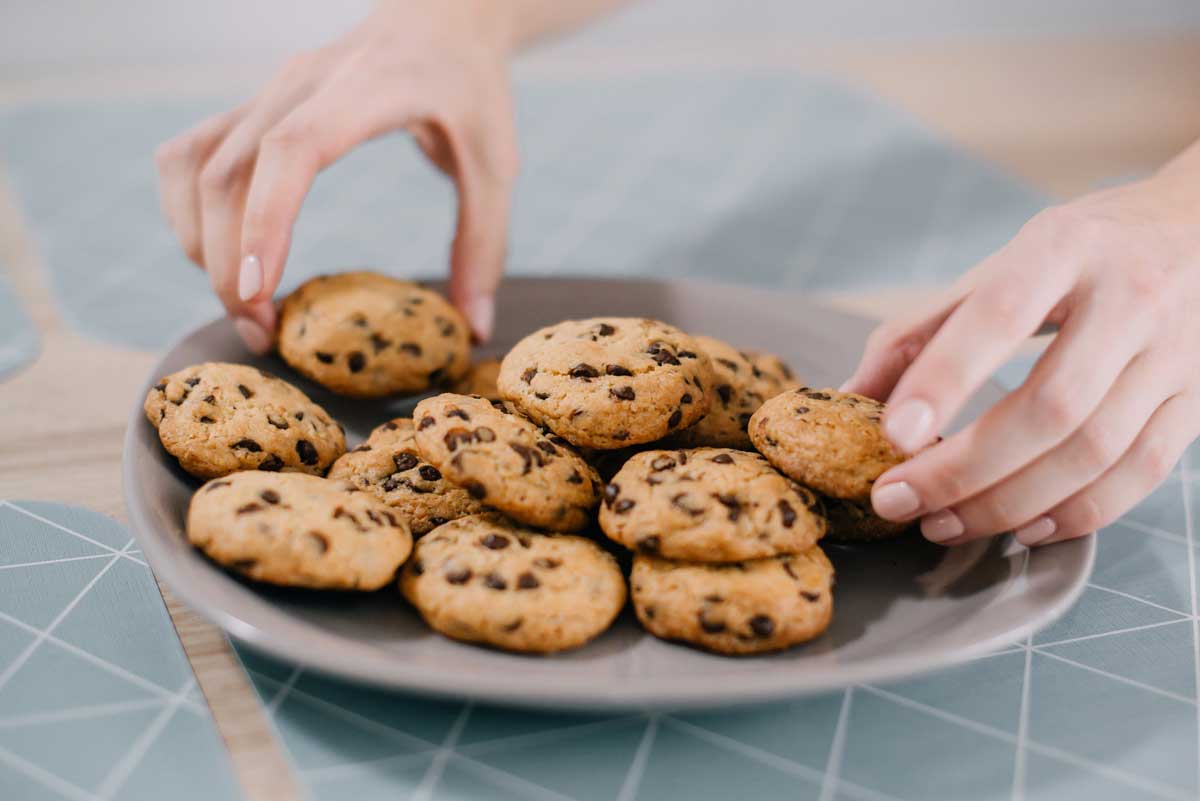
pixel 709 505
pixel 736 608
pixel 298 530
pixel 389 465
pixel 831 441
pixel 742 382
pixel 486 579
pixel 608 382
pixel 480 380
pixel 368 335
pixel 218 418
pixel 853 521
pixel 506 462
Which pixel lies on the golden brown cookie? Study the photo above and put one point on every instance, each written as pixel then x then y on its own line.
pixel 736 608
pixel 506 461
pixel 218 418
pixel 709 505
pixel 480 380
pixel 742 382
pixel 857 521
pixel 486 579
pixel 608 382
pixel 831 441
pixel 367 335
pixel 389 465
pixel 298 530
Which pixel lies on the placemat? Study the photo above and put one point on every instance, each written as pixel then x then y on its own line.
pixel 97 700
pixel 771 178
pixel 18 335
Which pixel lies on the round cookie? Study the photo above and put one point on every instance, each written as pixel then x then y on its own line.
pixel 298 530
pixel 485 579
pixel 828 440
pixel 367 335
pixel 218 418
pixel 608 382
pixel 735 608
pixel 506 461
pixel 480 380
pixel 854 521
pixel 389 465
pixel 742 381
pixel 709 505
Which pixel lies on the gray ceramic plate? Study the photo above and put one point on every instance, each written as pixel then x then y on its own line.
pixel 901 608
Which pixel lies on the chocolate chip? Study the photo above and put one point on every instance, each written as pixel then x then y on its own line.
pixel 411 348
pixel 356 361
pixel 248 508
pixel 485 434
pixel 726 393
pixel 674 419
pixel 191 382
pixel 513 626
pixel 663 356
pixel 404 461
pixel 731 503
pixel 648 611
pixel 732 365
pixel 299 415
pixel 709 626
pixel 529 457
pixel 687 354
pixel 247 445
pixel 621 435
pixel 340 512
pixel 574 478
pixel 527 581
pixel 811 597
pixel 686 398
pixel 209 398
pixel 319 541
pixel 494 582
pixel 623 393
pixel 546 563
pixel 801 410
pixel 546 447
pixel 459 575
pixel 206 419
pixel 787 514
pixel 270 496
pixel 324 358
pixel 278 422
pixel 457 436
pixel 723 458
pixel 611 491
pixel 425 423
pixel 762 625
pixel 541 395
pixel 416 567
pixel 528 375
pixel 306 452
pixel 272 464
pixel 459 413
pixel 662 463
pixel 495 542
pixel 819 395
pixel 583 370
pixel 680 501
pixel 448 328
pixel 605 330
pixel 475 489
pixel 429 472
pixel 161 386
pixel 616 369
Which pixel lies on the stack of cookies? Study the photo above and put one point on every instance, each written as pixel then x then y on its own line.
pixel 499 482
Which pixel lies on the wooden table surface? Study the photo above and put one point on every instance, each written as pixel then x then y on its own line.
pixel 1065 116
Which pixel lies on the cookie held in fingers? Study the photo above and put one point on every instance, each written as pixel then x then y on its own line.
pixel 368 335
pixel 856 521
pixel 506 462
pixel 709 505
pixel 298 530
pixel 218 418
pixel 736 608
pixel 608 382
pixel 742 382
pixel 828 440
pixel 486 579
pixel 389 465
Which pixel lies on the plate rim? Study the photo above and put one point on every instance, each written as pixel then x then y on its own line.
pixel 516 689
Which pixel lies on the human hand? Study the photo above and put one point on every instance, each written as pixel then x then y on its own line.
pixel 232 186
pixel 1107 410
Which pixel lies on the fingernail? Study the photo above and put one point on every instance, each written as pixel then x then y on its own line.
pixel 1037 531
pixel 481 311
pixel 250 278
pixel 909 425
pixel 942 526
pixel 252 334
pixel 895 501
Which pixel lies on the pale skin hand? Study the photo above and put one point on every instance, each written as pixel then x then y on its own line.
pixel 1108 409
pixel 232 186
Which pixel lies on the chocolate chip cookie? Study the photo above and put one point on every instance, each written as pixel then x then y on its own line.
pixel 831 441
pixel 857 521
pixel 507 462
pixel 486 579
pixel 217 418
pixel 742 381
pixel 298 530
pixel 480 380
pixel 389 465
pixel 367 335
pixel 608 382
pixel 736 608
pixel 709 505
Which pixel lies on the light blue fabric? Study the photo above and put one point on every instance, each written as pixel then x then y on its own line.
pixel 770 178
pixel 18 335
pixel 97 700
